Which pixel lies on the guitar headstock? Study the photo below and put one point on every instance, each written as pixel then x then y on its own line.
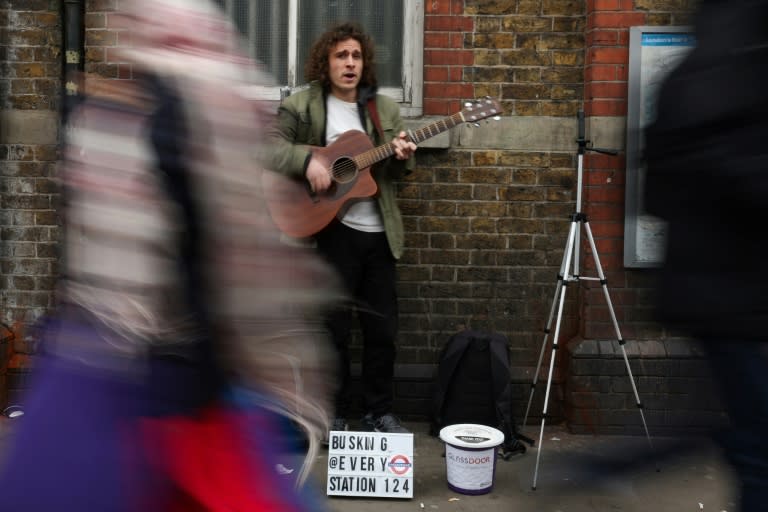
pixel 481 108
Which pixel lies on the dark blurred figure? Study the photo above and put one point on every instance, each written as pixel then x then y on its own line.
pixel 187 335
pixel 707 176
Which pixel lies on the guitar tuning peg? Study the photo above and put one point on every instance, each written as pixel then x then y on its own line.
pixel 468 104
pixel 476 124
pixel 496 118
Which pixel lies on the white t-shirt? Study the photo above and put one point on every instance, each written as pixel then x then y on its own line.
pixel 363 213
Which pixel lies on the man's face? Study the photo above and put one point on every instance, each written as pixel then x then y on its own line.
pixel 345 67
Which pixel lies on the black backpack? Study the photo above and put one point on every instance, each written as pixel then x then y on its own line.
pixel 473 385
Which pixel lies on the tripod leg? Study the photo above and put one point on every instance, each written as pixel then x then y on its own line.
pixel 558 289
pixel 555 337
pixel 619 337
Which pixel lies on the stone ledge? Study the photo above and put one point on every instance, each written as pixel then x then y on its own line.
pixel 670 379
pixel 29 126
pixel 669 348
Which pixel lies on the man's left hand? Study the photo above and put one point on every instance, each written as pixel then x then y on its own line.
pixel 404 148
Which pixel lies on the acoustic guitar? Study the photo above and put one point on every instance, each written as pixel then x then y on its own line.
pixel 298 212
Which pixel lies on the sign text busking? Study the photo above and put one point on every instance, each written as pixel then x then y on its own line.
pixel 370 464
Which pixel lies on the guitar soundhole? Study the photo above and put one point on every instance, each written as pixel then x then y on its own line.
pixel 344 170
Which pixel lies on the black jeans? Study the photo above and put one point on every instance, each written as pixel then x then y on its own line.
pixel 367 268
pixel 741 370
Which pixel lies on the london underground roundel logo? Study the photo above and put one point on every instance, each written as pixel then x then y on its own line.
pixel 399 464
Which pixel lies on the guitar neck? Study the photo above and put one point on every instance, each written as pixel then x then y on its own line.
pixel 377 154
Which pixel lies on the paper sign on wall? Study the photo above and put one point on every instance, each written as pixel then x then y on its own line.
pixel 370 464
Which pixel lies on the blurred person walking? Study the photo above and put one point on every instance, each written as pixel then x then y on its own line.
pixel 707 176
pixel 185 329
pixel 366 237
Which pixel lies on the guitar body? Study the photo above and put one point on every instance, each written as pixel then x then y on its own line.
pixel 300 213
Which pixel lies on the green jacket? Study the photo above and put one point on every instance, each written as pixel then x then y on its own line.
pixel 301 121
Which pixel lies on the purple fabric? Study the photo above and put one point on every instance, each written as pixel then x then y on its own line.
pixel 71 450
pixel 77 447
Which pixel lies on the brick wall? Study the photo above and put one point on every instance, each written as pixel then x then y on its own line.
pixel 103 34
pixel 673 380
pixel 486 218
pixel 30 81
pixel 606 74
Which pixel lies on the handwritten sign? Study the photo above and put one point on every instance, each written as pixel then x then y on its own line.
pixel 370 464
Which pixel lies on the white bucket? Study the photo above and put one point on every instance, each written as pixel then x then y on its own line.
pixel 470 457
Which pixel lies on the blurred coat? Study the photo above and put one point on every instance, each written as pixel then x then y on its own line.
pixel 707 175
pixel 175 285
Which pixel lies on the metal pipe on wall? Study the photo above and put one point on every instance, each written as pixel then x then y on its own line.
pixel 74 51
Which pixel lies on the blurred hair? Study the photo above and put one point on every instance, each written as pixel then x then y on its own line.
pixel 316 67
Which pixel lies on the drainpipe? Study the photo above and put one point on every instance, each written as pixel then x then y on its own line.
pixel 74 52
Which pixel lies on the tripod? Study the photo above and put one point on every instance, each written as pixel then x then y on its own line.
pixel 564 278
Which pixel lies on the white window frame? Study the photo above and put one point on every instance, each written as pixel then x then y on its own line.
pixel 409 96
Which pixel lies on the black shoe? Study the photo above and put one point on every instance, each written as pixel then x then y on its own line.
pixel 388 423
pixel 338 424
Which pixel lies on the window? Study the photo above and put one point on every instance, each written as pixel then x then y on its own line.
pixel 279 34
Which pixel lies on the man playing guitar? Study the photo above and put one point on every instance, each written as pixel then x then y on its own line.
pixel 365 237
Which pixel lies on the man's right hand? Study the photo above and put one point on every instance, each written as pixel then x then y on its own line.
pixel 318 176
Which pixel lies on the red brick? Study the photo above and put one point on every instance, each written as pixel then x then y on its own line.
pixel 605 211
pixel 436 73
pixel 606 5
pixel 443 7
pixel 442 107
pixel 606 229
pixel 606 246
pixel 607 90
pixel 609 262
pixel 608 56
pixel 457 40
pixel 448 90
pixel 603 38
pixel 605 195
pixel 602 161
pixel 607 107
pixel 448 23
pixel 612 5
pixel 444 40
pixel 615 19
pixel 448 57
pixel 125 71
pixel 600 73
pixel 20 361
pixel 437 39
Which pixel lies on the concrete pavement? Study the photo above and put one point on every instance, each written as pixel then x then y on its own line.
pixel 576 473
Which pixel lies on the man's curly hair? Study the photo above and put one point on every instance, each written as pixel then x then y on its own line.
pixel 316 67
